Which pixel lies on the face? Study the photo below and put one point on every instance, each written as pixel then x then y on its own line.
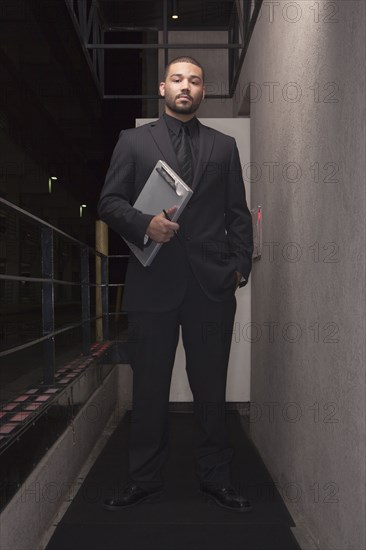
pixel 183 90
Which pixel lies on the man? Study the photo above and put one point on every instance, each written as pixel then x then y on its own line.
pixel 191 283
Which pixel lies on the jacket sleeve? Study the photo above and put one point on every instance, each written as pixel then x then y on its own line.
pixel 238 219
pixel 118 194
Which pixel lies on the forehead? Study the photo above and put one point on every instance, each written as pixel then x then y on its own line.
pixel 185 69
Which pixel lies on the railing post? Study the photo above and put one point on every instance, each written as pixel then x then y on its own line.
pixel 48 310
pixel 101 299
pixel 105 301
pixel 85 299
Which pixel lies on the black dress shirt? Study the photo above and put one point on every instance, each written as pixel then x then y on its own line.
pixel 174 125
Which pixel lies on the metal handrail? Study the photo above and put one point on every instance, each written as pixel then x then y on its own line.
pixel 70 326
pixel 31 216
pixel 48 282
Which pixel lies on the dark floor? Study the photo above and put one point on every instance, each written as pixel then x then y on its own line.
pixel 181 518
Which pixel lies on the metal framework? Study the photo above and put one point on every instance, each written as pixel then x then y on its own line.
pixel 91 30
pixel 48 284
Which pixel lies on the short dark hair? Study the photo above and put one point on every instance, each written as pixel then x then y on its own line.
pixel 184 59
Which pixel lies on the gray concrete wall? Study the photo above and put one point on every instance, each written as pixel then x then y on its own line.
pixel 306 66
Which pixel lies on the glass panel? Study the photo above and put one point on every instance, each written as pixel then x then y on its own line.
pixel 20 313
pixel 19 371
pixel 68 346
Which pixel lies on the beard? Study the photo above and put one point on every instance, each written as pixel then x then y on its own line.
pixel 187 108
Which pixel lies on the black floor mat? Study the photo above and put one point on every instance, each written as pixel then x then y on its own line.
pixel 181 518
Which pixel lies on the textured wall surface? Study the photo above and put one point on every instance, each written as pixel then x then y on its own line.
pixel 306 69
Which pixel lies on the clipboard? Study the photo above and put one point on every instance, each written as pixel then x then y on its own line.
pixel 163 189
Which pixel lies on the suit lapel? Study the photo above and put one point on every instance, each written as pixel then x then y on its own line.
pixel 160 134
pixel 206 144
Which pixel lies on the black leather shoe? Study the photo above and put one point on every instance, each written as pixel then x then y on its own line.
pixel 227 497
pixel 130 495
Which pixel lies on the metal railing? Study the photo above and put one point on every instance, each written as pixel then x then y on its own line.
pixel 49 283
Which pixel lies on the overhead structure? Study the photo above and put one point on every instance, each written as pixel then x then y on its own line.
pixel 105 25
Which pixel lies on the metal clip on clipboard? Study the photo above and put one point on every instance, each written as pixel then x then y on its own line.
pixel 174 183
pixel 156 196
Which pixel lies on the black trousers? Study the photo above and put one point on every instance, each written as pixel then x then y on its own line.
pixel 153 338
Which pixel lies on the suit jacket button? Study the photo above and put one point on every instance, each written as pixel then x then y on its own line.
pixel 188 238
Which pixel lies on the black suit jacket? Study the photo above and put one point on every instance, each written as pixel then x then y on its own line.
pixel 215 228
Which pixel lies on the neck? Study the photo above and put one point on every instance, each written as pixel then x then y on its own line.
pixel 180 116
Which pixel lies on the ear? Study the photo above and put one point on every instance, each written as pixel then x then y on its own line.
pixel 203 93
pixel 162 89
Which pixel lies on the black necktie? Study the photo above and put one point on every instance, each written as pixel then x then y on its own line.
pixel 184 154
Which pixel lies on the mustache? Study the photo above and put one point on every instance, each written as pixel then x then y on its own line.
pixel 183 95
